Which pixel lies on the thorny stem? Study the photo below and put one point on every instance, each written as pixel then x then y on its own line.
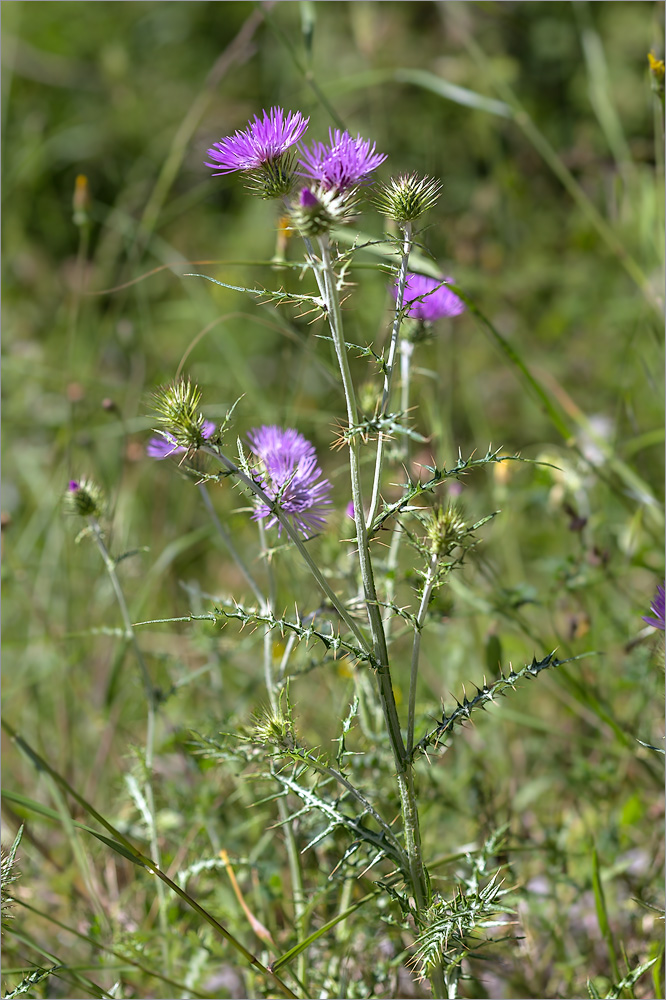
pixel 388 372
pixel 406 351
pixel 404 774
pixel 429 583
pixel 151 700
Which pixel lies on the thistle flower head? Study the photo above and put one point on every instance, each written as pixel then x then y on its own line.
pixel 318 209
pixel 445 529
pixel 428 299
pixel 166 445
pixel 177 409
pixel 407 197
pixel 85 498
pixel 657 618
pixel 342 164
pixel 289 475
pixel 274 727
pixel 260 151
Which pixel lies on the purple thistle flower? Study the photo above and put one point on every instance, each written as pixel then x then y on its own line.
pixel 342 164
pixel 658 611
pixel 73 486
pixel 164 446
pixel 264 140
pixel 429 299
pixel 291 477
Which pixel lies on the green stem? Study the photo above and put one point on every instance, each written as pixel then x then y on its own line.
pixel 429 583
pixel 406 352
pixel 151 701
pixel 417 874
pixel 388 372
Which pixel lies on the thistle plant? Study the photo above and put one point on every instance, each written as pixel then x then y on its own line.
pixel 364 612
pixel 277 469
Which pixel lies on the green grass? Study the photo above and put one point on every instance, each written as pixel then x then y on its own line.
pixel 551 223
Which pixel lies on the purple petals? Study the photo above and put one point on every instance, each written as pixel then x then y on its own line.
pixel 657 619
pixel 342 164
pixel 290 476
pixel 264 140
pixel 163 446
pixel 429 299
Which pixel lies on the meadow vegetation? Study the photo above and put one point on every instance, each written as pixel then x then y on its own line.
pixel 541 819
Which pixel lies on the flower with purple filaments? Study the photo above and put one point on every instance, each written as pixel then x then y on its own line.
pixel 343 164
pixel 264 140
pixel 163 447
pixel 289 475
pixel 429 299
pixel 658 609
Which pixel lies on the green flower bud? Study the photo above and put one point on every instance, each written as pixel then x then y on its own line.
pixel 317 210
pixel 445 529
pixel 85 498
pixel 177 408
pixel 407 197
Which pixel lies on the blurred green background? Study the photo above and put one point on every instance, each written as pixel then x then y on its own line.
pixel 541 123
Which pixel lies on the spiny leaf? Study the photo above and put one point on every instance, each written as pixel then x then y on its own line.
pixel 439 476
pixel 485 695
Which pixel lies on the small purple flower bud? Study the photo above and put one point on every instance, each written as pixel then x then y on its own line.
pixel 306 199
pixel 84 497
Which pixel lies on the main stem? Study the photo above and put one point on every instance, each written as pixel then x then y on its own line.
pixel 404 774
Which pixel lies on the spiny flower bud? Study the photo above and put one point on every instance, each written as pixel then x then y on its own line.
pixel 177 408
pixel 274 727
pixel 85 498
pixel 445 529
pixel 407 197
pixel 317 210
